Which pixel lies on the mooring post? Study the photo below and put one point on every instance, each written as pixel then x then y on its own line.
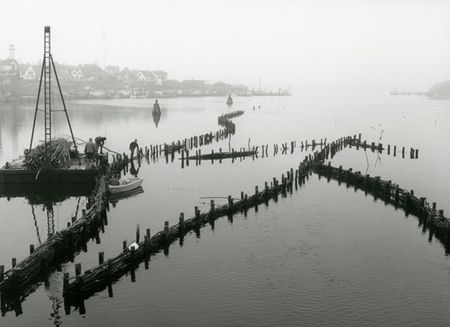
pixel 256 191
pixel 230 201
pixel 212 205
pixel 242 195
pixel 77 269
pixel 166 230
pixel 196 212
pixel 417 154
pixel 2 271
pixel 181 220
pixel 138 233
pixel 13 262
pixel 422 204
pixel 124 245
pixel 101 258
pixel 147 233
pixel 441 214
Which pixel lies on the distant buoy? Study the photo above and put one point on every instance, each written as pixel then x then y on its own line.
pixel 230 100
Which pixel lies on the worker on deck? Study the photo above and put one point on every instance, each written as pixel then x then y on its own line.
pixel 134 146
pixel 99 143
pixel 89 150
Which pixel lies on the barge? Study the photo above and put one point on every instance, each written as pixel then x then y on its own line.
pixel 54 163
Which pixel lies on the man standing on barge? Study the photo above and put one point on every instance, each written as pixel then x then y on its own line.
pixel 89 150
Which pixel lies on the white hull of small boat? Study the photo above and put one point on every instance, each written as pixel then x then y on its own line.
pixel 128 185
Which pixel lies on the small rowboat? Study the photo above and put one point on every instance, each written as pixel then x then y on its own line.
pixel 126 185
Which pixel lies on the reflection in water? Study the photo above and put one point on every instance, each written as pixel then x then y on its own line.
pixel 156 117
pixel 133 170
pixel 54 291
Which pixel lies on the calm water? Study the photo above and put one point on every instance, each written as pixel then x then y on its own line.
pixel 324 256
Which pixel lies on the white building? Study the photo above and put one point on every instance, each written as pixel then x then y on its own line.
pixel 29 74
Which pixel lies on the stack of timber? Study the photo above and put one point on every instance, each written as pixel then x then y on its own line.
pixel 57 154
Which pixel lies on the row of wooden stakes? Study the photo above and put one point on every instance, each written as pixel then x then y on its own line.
pixel 58 248
pixel 83 286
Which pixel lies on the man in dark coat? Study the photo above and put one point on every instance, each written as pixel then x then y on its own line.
pixel 134 146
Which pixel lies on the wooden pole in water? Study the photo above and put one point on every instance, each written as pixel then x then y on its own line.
pixel 181 219
pixel 77 269
pixel 166 229
pixel 196 211
pixel 31 248
pixel 124 245
pixel 2 271
pixel 101 258
pixel 138 233
pixel 13 262
pixel 230 201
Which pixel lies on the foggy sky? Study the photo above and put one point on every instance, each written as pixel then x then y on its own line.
pixel 302 45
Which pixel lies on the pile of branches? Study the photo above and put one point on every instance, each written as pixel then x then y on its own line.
pixel 58 155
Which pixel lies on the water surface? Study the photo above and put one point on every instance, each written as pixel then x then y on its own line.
pixel 324 256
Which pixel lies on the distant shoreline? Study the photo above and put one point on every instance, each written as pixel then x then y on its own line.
pixel 32 99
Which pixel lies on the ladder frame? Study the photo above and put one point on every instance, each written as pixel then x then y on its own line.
pixel 45 82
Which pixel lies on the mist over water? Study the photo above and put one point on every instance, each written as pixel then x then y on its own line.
pixel 302 45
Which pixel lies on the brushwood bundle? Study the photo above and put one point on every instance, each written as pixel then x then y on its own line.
pixel 58 152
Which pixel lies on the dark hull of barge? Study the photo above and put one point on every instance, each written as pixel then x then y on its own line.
pixel 48 176
pixel 44 192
